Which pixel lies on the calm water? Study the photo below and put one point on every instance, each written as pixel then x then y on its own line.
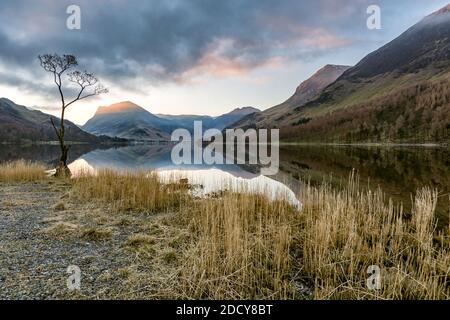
pixel 399 171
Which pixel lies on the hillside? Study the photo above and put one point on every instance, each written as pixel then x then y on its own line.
pixel 417 114
pixel 306 91
pixel 18 123
pixel 398 93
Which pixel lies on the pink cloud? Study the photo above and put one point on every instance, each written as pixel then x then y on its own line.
pixel 217 61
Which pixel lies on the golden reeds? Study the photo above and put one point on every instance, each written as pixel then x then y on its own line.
pixel 242 249
pixel 346 232
pixel 247 246
pixel 134 191
pixel 21 171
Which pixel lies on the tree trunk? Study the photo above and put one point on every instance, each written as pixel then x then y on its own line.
pixel 62 170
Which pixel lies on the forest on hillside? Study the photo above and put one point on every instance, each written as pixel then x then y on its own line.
pixel 418 114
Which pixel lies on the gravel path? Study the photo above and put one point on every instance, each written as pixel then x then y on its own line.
pixel 39 240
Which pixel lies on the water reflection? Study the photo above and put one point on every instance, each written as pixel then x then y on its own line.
pixel 399 171
pixel 212 178
pixel 46 154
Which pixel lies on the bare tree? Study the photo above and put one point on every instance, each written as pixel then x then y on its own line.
pixel 87 85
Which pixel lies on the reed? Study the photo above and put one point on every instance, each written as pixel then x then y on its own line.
pixel 345 232
pixel 130 190
pixel 241 250
pixel 21 171
pixel 247 246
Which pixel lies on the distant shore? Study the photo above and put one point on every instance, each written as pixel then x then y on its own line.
pixel 282 143
pixel 106 143
pixel 368 144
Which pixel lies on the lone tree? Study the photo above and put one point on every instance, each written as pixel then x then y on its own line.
pixel 88 86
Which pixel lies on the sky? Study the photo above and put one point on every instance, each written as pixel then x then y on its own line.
pixel 190 56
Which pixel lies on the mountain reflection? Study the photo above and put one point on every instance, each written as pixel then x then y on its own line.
pixel 212 178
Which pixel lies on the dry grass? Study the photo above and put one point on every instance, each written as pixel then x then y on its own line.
pixel 95 233
pixel 343 233
pixel 248 247
pixel 21 171
pixel 9 203
pixel 61 230
pixel 242 246
pixel 132 191
pixel 68 230
pixel 141 239
pixel 60 206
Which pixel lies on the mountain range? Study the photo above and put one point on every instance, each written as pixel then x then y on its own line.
pixel 208 122
pixel 398 93
pixel 130 121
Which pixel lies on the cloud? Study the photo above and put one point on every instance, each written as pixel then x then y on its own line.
pixel 26 85
pixel 131 43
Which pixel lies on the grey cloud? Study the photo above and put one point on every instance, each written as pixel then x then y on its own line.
pixel 160 40
pixel 26 84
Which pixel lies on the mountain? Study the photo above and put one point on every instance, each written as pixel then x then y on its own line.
pixel 307 90
pixel 314 85
pixel 208 122
pixel 238 112
pixel 186 121
pixel 398 93
pixel 130 121
pixel 19 123
pixel 425 44
pixel 227 119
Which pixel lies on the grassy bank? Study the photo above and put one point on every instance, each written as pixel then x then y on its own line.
pixel 242 246
pixel 21 171
pixel 345 232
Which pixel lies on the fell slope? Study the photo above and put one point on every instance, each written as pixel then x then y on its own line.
pixel 399 93
pixel 19 123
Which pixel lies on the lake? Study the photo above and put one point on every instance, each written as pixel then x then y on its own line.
pixel 399 171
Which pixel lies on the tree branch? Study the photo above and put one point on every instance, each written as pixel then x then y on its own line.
pixel 58 65
pixel 56 130
pixel 85 80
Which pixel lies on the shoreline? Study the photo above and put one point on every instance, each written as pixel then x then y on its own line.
pixel 373 144
pixel 136 237
pixel 56 143
pixel 281 143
